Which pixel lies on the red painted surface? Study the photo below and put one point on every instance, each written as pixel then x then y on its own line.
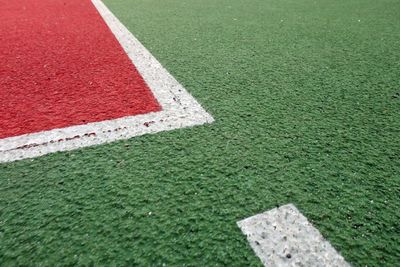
pixel 60 65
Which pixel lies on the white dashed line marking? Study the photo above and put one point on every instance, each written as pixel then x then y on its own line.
pixel 284 237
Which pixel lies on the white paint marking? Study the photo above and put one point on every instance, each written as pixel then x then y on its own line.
pixel 179 108
pixel 284 237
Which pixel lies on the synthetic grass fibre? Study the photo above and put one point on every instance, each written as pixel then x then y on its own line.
pixel 303 97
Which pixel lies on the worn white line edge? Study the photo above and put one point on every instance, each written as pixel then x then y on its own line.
pixel 179 108
pixel 284 237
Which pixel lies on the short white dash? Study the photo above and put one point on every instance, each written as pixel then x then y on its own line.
pixel 284 237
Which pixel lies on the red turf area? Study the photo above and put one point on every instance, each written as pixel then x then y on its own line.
pixel 60 65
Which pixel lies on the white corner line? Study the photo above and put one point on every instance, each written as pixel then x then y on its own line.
pixel 179 108
pixel 284 237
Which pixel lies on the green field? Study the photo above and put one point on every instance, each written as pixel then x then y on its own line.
pixel 306 98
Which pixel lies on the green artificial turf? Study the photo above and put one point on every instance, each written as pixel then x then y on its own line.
pixel 306 97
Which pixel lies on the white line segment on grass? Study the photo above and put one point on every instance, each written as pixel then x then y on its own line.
pixel 179 108
pixel 284 237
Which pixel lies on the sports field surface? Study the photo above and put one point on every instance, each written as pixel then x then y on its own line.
pixel 306 100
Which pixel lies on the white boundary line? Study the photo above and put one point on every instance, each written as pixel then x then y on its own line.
pixel 179 108
pixel 284 237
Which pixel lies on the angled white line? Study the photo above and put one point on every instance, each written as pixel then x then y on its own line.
pixel 284 237
pixel 179 108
